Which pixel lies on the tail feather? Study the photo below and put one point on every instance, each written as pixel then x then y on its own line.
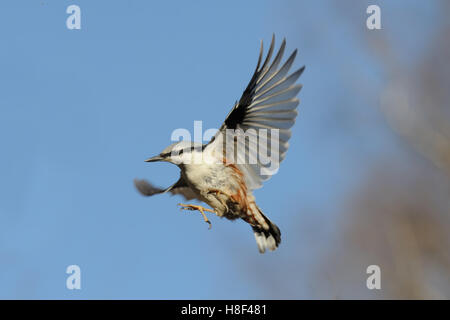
pixel 267 239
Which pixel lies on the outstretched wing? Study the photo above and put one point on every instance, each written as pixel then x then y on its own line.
pixel 180 187
pixel 269 102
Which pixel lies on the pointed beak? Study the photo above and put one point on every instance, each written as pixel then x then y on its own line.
pixel 155 158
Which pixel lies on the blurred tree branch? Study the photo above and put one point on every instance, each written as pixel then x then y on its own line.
pixel 397 214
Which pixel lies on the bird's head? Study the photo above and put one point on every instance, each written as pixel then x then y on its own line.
pixel 178 153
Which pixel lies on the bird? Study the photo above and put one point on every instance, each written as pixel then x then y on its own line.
pixel 219 173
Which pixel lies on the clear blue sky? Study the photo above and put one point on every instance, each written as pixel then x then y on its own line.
pixel 81 109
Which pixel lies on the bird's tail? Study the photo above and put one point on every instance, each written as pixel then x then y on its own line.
pixel 267 238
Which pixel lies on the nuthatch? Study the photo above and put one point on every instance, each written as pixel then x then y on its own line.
pixel 224 172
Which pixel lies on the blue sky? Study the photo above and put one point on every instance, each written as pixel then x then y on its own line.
pixel 81 109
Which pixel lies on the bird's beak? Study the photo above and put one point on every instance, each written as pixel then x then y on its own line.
pixel 155 158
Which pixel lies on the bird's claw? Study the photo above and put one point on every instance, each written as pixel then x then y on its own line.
pixel 186 208
pixel 202 210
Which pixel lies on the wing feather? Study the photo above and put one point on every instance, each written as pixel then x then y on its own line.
pixel 180 187
pixel 268 102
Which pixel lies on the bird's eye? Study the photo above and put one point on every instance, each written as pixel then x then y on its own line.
pixel 181 152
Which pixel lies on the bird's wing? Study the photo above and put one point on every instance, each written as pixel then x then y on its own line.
pixel 268 102
pixel 179 187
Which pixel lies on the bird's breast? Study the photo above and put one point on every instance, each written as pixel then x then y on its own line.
pixel 206 176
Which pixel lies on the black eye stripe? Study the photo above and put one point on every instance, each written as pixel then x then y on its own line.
pixel 180 152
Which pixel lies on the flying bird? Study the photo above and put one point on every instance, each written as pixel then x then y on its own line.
pixel 224 172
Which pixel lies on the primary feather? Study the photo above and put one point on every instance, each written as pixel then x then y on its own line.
pixel 268 102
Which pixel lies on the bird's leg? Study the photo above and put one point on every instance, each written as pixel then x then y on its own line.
pixel 217 191
pixel 199 208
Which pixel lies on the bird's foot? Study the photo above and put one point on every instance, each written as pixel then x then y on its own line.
pixel 217 191
pixel 199 208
